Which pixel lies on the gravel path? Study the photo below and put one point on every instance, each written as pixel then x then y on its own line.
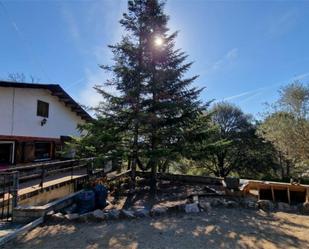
pixel 222 228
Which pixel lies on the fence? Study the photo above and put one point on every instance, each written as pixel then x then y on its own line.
pixel 38 173
pixel 8 193
pixel 43 170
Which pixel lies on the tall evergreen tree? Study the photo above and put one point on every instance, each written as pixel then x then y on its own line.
pixel 155 104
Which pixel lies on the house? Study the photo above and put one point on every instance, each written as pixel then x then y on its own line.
pixel 35 120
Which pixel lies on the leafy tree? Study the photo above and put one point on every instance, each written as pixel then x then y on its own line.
pixel 235 147
pixel 294 99
pixel 286 126
pixel 257 158
pixel 233 125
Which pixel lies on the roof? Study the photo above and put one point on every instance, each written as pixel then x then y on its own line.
pixel 57 91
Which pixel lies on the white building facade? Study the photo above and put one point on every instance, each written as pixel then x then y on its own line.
pixel 34 121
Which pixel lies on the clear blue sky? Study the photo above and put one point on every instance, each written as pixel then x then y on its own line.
pixel 243 51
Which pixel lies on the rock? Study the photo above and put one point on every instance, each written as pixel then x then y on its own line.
pixel 99 214
pixel 57 216
pixel 71 209
pixel 156 211
pixel 72 216
pixel 282 206
pixel 192 208
pixel 181 207
pixel 174 207
pixel 86 217
pixel 177 208
pixel 113 214
pixel 50 213
pixel 206 206
pixel 231 204
pixel 214 202
pixel 141 212
pixel 266 205
pixel 305 208
pixel 127 214
pixel 250 204
pixel 294 208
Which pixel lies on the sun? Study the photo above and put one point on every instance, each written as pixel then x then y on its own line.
pixel 158 41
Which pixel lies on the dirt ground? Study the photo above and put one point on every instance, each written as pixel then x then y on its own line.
pixel 221 228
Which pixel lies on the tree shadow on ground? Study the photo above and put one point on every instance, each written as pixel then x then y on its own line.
pixel 166 192
pixel 221 228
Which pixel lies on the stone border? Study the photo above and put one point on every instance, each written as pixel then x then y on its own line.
pixel 203 205
pixel 157 210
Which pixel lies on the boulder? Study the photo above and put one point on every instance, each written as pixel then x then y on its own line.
pixel 157 211
pixel 231 204
pixel 215 202
pixel 178 208
pixel 99 214
pixel 266 205
pixel 113 214
pixel 305 208
pixel 86 217
pixel 50 213
pixel 205 205
pixel 192 208
pixel 127 214
pixel 282 206
pixel 72 216
pixel 251 204
pixel 57 217
pixel 175 207
pixel 141 212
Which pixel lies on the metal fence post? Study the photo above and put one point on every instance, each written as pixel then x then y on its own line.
pixel 42 176
pixel 3 199
pixel 15 189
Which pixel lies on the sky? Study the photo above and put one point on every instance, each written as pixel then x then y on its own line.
pixel 243 51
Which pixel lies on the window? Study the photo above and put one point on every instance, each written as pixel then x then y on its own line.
pixel 43 109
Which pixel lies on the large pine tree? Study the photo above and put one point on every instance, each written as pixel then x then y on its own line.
pixel 155 104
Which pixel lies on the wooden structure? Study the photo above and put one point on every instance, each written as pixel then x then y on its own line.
pixel 183 178
pixel 277 191
pixel 43 181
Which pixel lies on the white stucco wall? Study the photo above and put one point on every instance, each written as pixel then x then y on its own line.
pixel 18 115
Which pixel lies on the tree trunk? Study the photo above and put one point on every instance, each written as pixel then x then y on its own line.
pixel 153 180
pixel 154 138
pixel 129 163
pixel 134 157
pixel 136 124
pixel 288 169
pixel 281 166
pixel 221 165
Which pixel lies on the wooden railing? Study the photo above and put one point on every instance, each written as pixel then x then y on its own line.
pixel 11 177
pixel 183 178
pixel 42 170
